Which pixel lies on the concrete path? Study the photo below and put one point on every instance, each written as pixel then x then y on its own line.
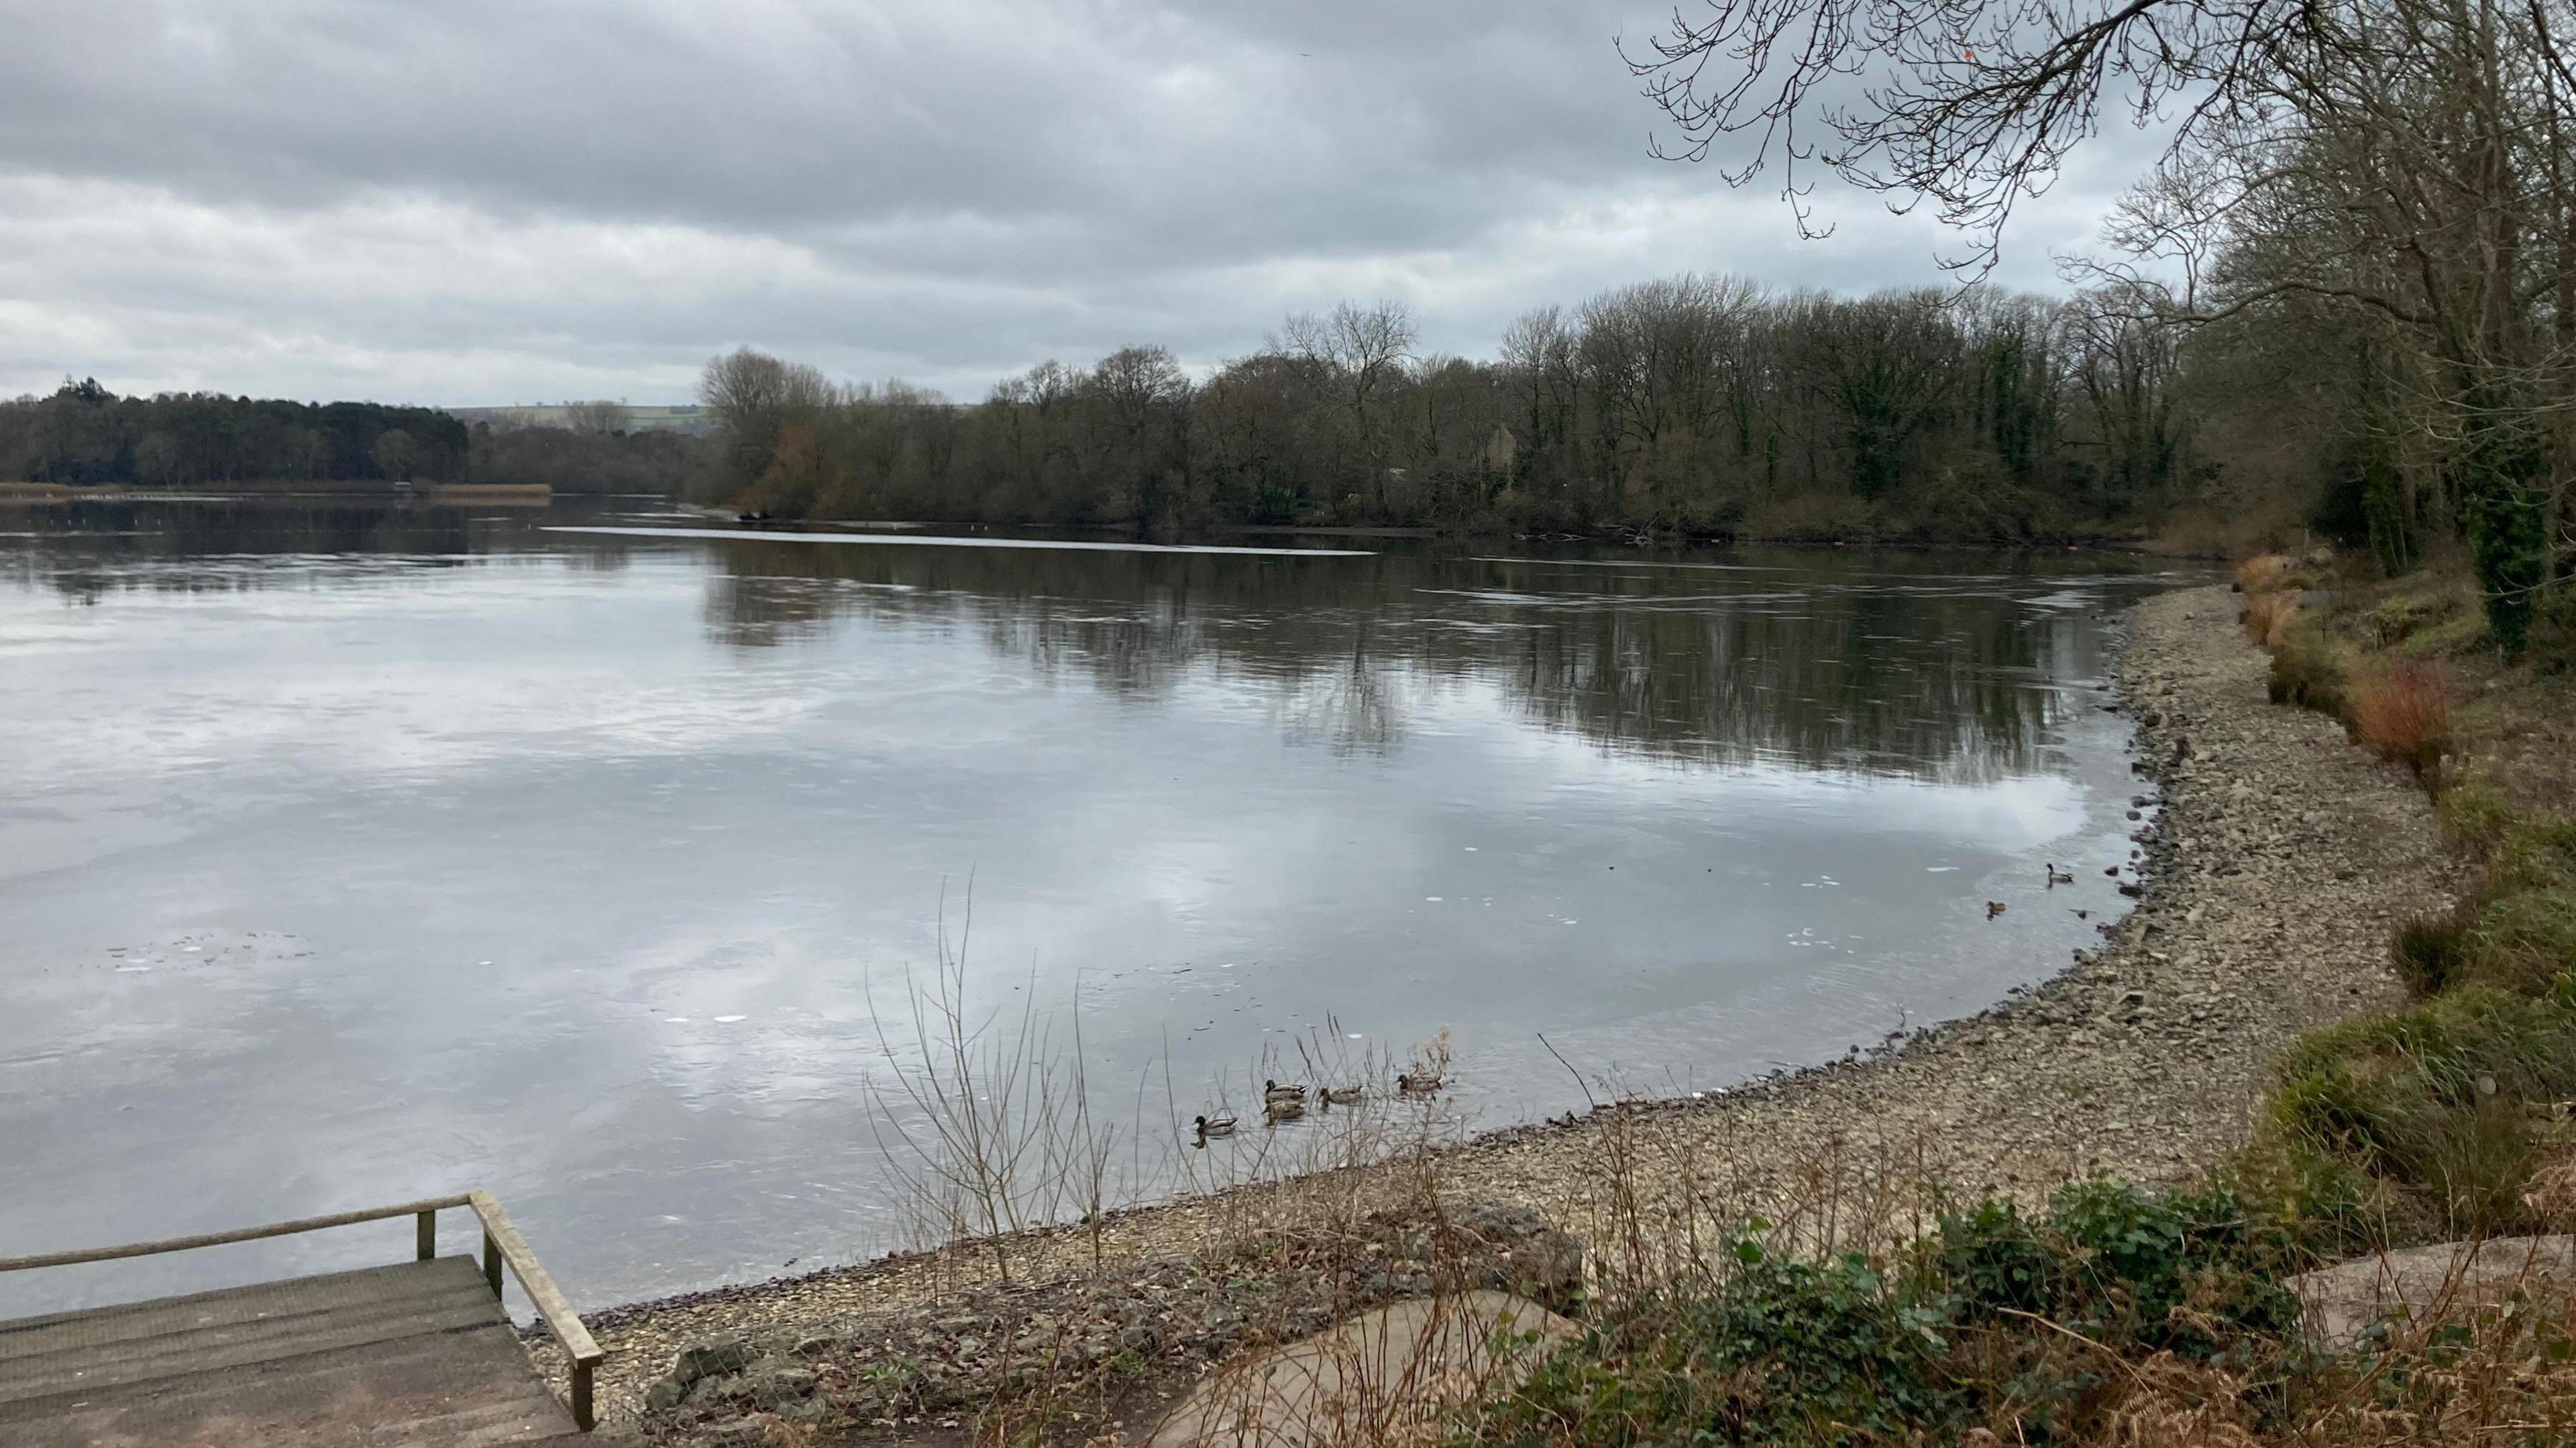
pixel 2449 1279
pixel 1397 1365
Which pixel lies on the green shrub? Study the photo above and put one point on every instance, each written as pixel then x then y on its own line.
pixel 2395 619
pixel 2149 1253
pixel 2430 952
pixel 2305 672
pixel 1783 1351
pixel 1973 1330
pixel 1992 1260
pixel 2431 1100
pixel 2322 1204
pixel 2502 477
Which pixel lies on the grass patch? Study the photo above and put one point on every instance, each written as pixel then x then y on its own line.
pixel 2533 855
pixel 2435 1102
pixel 2522 942
pixel 2474 814
pixel 2431 952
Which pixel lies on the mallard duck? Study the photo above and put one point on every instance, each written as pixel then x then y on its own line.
pixel 1282 1109
pixel 1417 1083
pixel 1340 1096
pixel 1994 908
pixel 1278 1091
pixel 2057 877
pixel 1215 1126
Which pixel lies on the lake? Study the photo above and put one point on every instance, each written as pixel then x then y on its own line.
pixel 355 854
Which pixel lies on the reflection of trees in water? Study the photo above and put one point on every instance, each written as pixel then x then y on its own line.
pixel 1352 707
pixel 1886 664
pixel 1828 662
pixel 1877 679
pixel 86 550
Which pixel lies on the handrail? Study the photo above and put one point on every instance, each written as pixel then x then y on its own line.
pixel 501 1243
pixel 218 1239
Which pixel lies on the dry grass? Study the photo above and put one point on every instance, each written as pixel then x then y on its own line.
pixel 2402 714
pixel 2262 573
pixel 2267 617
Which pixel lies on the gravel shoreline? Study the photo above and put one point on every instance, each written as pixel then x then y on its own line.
pixel 2279 862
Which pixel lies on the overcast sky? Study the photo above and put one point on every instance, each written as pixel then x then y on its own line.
pixel 480 201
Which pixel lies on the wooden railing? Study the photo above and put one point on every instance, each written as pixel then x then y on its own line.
pixel 501 1244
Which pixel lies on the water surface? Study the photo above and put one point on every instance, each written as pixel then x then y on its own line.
pixel 349 855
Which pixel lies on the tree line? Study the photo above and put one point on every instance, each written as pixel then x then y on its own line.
pixel 598 453
pixel 84 434
pixel 1698 404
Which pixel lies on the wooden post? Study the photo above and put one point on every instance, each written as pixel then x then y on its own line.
pixel 428 1235
pixel 502 1242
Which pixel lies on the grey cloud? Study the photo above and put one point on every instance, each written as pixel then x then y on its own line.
pixel 483 199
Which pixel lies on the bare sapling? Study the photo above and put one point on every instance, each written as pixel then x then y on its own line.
pixel 987 1126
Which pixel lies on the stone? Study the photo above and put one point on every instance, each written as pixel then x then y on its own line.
pixel 778 1387
pixel 2342 1304
pixel 1399 1365
pixel 709 1359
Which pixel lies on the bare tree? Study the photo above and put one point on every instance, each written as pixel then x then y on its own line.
pixel 1969 105
pixel 1365 349
pixel 2403 160
pixel 1144 390
pixel 754 397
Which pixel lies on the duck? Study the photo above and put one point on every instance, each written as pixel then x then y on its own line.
pixel 1417 1083
pixel 1276 1091
pixel 2057 877
pixel 1215 1126
pixel 1333 1096
pixel 1994 908
pixel 1282 1109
